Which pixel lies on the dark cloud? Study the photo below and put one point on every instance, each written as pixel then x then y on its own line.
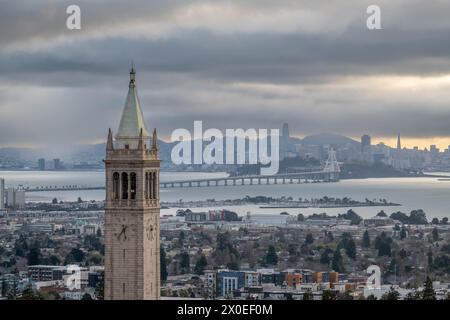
pixel 60 86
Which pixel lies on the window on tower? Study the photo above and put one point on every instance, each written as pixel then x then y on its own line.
pixel 133 186
pixel 124 185
pixel 146 185
pixel 116 181
pixel 153 185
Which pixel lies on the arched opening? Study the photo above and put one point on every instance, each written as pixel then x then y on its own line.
pixel 116 181
pixel 150 185
pixel 153 185
pixel 133 186
pixel 146 185
pixel 124 185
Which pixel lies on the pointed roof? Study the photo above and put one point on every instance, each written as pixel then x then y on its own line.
pixel 132 120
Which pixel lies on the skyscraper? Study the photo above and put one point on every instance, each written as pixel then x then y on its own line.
pixel 41 164
pixel 365 143
pixel 132 265
pixel 399 144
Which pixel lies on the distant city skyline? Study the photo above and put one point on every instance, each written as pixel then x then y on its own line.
pixel 255 64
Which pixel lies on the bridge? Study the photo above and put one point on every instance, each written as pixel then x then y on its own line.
pixel 329 173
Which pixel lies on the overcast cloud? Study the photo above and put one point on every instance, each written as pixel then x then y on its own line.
pixel 247 63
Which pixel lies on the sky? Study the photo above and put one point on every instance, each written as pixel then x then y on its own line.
pixel 231 64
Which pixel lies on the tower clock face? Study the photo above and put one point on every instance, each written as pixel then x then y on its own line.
pixel 150 229
pixel 123 230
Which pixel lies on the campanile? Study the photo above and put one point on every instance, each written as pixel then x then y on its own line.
pixel 132 257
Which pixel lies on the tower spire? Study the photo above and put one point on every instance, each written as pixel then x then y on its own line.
pixel 132 120
pixel 132 75
pixel 141 141
pixel 109 144
pixel 155 140
pixel 399 144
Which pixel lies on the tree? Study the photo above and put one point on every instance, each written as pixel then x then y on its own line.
pixel 309 239
pixel 403 233
pixel 200 265
pixel 435 234
pixel 381 214
pixel 185 264
pixel 86 296
pixel 34 256
pixel 307 295
pixel 348 245
pixel 337 263
pixel 418 217
pixel 351 215
pixel 28 294
pixel 54 260
pixel 300 217
pixel 100 289
pixel 99 232
pixel 371 297
pixel 271 256
pixel 416 295
pixel 75 255
pixel 391 295
pixel 163 264
pixel 435 221
pixel 366 240
pixel 383 244
pixel 4 288
pixel 79 200
pixel 428 292
pixel 325 256
pixel 55 201
pixel 329 295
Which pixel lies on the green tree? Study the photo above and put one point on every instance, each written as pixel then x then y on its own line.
pixel 348 244
pixel 86 296
pixel 4 288
pixel 28 294
pixel 75 255
pixel 329 295
pixel 435 234
pixel 391 295
pixel 163 264
pixel 185 264
pixel 54 260
pixel 271 256
pixel 325 256
pixel 403 233
pixel 100 289
pixel 428 292
pixel 383 244
pixel 307 295
pixel 366 240
pixel 200 265
pixel 34 256
pixel 371 297
pixel 337 264
pixel 309 239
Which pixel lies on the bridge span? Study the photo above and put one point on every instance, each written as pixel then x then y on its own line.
pixel 330 173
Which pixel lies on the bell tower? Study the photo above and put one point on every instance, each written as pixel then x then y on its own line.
pixel 132 257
